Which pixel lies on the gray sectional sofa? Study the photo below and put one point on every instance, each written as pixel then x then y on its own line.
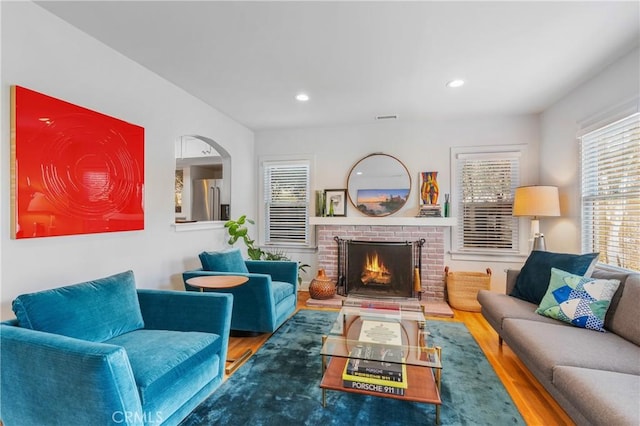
pixel 594 376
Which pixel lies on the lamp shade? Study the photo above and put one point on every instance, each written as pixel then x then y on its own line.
pixel 536 201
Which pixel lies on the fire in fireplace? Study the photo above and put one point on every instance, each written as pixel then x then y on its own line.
pixel 374 271
pixel 378 269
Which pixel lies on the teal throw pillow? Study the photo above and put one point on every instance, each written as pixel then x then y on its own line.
pixel 223 261
pixel 533 280
pixel 578 300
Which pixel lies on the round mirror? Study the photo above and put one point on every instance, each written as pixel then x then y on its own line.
pixel 379 185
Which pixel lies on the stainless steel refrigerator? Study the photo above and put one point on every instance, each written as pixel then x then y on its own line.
pixel 206 199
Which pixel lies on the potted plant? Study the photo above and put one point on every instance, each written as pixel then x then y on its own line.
pixel 237 230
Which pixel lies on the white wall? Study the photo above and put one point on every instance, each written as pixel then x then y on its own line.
pixel 551 139
pixel 611 94
pixel 421 146
pixel 43 53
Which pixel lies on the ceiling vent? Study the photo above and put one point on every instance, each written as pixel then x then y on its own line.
pixel 386 117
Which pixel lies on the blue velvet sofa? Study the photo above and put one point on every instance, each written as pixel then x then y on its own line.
pixel 103 352
pixel 265 301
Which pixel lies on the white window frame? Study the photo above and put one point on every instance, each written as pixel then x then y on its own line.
pixel 601 205
pixel 520 247
pixel 263 214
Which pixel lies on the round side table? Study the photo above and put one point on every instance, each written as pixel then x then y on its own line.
pixel 219 282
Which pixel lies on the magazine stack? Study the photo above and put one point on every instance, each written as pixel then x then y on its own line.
pixel 376 363
pixel 430 210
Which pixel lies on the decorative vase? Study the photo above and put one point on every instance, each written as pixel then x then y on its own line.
pixel 429 190
pixel 446 205
pixel 321 287
pixel 319 203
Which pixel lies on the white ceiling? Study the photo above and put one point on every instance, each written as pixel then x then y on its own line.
pixel 358 60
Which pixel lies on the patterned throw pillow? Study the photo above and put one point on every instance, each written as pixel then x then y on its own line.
pixel 578 300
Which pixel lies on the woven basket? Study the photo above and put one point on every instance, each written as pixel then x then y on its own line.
pixel 463 288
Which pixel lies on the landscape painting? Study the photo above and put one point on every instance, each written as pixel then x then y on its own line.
pixel 381 202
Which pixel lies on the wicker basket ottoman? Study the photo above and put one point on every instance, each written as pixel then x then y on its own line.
pixel 463 287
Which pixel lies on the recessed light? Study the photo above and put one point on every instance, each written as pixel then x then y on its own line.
pixel 455 83
pixel 387 117
pixel 302 97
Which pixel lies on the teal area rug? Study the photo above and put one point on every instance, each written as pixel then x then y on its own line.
pixel 279 385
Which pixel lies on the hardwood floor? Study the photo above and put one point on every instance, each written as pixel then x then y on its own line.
pixel 536 406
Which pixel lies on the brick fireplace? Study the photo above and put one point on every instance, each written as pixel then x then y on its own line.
pixel 378 268
pixel 432 257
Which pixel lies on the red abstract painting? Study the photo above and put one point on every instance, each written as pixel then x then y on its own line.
pixel 74 170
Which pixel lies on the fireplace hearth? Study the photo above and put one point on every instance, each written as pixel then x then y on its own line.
pixel 383 269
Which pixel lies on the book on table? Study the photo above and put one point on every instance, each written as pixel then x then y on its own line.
pixel 380 366
pixel 382 362
pixel 385 389
pixel 373 384
pixel 387 333
pixel 381 377
pixel 376 363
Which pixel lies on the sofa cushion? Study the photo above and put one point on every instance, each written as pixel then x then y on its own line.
pixel 542 347
pixel 281 290
pixel 533 280
pixel 603 273
pixel 624 321
pixel 602 397
pixel 160 358
pixel 95 310
pixel 496 307
pixel 223 261
pixel 578 300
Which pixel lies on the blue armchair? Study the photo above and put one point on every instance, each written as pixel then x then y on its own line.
pixel 265 301
pixel 102 352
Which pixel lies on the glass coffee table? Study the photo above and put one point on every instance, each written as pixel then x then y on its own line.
pixel 381 347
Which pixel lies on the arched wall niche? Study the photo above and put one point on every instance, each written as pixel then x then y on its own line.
pixel 203 167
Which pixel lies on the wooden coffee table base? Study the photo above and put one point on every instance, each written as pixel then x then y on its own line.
pixel 424 383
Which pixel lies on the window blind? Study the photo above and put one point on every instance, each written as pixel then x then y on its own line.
pixel 610 160
pixel 485 185
pixel 286 200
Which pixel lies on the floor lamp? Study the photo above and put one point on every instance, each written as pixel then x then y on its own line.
pixel 536 201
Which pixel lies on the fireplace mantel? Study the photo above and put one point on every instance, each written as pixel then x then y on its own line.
pixel 383 221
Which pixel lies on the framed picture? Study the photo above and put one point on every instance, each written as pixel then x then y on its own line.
pixel 335 200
